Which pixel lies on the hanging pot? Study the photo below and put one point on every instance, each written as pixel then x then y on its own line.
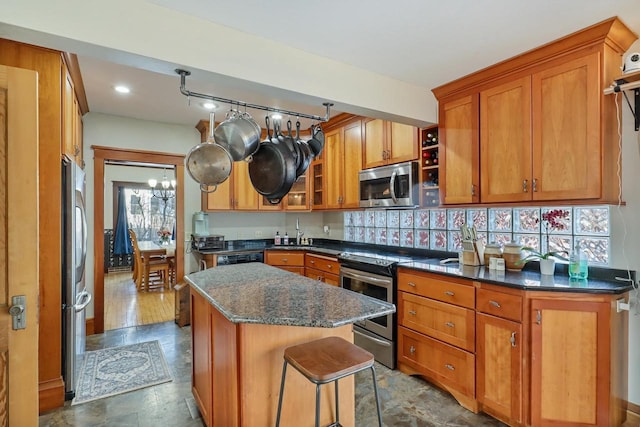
pixel 239 134
pixel 305 154
pixel 208 163
pixel 273 169
pixel 316 143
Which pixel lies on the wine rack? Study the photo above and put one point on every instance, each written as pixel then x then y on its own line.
pixel 430 166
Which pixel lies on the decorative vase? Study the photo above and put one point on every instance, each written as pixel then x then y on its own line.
pixel 547 266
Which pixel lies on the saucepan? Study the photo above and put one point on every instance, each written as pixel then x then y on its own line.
pixel 239 134
pixel 209 163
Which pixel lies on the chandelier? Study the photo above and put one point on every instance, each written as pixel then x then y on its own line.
pixel 166 190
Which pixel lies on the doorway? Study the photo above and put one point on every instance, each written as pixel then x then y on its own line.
pixel 111 155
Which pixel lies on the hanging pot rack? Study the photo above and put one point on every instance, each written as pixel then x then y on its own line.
pixel 183 90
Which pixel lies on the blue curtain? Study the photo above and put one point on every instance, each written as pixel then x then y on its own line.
pixel 121 240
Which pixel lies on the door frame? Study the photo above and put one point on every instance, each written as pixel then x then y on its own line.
pixel 102 155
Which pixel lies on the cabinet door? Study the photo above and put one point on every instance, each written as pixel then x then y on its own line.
pixel 333 167
pixel 459 154
pixel 245 196
pixel 505 142
pixel 570 363
pixel 68 115
pixel 79 138
pixel 219 199
pixel 298 198
pixel 318 183
pixel 566 131
pixel 375 143
pixel 499 367
pixel 352 165
pixel 402 145
pixel 201 366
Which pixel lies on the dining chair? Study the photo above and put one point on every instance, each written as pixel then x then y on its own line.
pixel 153 273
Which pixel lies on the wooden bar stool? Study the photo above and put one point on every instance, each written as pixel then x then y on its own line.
pixel 323 361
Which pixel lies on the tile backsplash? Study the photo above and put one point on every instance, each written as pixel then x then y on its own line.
pixel 439 229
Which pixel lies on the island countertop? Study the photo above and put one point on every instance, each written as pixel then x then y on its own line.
pixel 259 293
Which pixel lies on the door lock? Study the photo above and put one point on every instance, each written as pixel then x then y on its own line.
pixel 18 312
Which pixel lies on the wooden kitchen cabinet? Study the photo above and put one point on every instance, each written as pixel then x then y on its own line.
pixel 201 378
pixel 578 361
pixel 389 142
pixel 245 197
pixel 292 261
pixel 547 131
pixel 323 268
pixel 72 144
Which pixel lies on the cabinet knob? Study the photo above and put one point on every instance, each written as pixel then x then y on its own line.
pixel 412 312
pixel 449 293
pixel 450 324
pixel 494 303
pixel 450 367
pixel 525 185
pixel 534 185
pixel 412 350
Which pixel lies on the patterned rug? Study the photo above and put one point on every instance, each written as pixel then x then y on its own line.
pixel 116 370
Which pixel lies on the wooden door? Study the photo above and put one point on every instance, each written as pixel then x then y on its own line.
pixel 570 363
pixel 499 367
pixel 567 151
pixel 459 152
pixel 352 165
pixel 505 142
pixel 374 143
pixel 402 144
pixel 245 197
pixel 19 269
pixel 333 167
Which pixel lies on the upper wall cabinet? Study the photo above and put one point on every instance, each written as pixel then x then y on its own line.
pixel 546 130
pixel 389 142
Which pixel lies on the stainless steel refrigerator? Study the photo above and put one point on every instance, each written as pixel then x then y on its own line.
pixel 75 296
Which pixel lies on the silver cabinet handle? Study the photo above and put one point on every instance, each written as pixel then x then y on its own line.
pixel 525 184
pixel 413 285
pixel 513 339
pixel 449 293
pixel 473 190
pixel 412 312
pixel 285 259
pixel 312 262
pixel 450 367
pixel 538 317
pixel 534 185
pixel 450 324
pixel 412 350
pixel 494 303
pixel 329 266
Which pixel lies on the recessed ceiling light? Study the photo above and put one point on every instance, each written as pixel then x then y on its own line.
pixel 209 105
pixel 122 89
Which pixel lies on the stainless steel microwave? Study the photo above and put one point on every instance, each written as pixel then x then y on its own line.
pixel 393 186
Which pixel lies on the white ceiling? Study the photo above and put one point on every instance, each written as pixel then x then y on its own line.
pixel 422 42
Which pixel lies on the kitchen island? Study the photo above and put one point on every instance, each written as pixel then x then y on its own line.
pixel 242 318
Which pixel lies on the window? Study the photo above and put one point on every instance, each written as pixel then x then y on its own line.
pixel 146 213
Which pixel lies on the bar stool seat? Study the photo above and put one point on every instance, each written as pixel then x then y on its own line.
pixel 327 360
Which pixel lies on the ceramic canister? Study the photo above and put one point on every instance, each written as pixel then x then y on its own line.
pixel 492 250
pixel 512 254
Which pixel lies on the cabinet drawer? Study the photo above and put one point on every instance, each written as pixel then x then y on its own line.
pixel 449 365
pixel 285 258
pixel 446 322
pixel 500 304
pixel 328 278
pixel 297 270
pixel 436 287
pixel 322 263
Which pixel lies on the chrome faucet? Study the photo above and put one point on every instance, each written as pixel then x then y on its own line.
pixel 299 233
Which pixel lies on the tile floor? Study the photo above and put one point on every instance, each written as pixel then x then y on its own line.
pixel 406 401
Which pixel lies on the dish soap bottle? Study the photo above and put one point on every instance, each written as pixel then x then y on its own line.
pixel 286 238
pixel 276 240
pixel 578 264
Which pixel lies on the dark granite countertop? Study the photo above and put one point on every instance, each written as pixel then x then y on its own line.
pixel 258 293
pixel 527 279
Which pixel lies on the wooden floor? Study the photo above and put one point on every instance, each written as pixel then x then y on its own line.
pixel 125 306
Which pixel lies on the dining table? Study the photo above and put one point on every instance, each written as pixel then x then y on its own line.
pixel 149 249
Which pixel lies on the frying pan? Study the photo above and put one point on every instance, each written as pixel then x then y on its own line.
pixel 305 155
pixel 316 143
pixel 273 169
pixel 208 163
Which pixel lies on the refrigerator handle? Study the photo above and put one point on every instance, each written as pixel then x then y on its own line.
pixel 80 205
pixel 85 299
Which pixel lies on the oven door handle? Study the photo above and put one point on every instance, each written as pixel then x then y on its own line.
pixel 364 278
pixel 376 340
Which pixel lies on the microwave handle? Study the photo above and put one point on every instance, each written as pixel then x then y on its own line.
pixel 392 184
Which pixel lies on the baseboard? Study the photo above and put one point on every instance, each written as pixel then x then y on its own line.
pixel 633 415
pixel 50 394
pixel 90 326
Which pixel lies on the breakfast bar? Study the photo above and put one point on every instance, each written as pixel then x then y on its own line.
pixel 242 318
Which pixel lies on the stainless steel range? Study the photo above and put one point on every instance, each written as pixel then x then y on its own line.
pixel 373 274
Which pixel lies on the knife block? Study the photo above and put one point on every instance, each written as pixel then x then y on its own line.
pixel 472 253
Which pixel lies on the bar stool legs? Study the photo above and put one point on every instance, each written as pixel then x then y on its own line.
pixel 284 374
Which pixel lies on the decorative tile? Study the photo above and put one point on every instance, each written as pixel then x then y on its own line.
pixel 393 219
pixel 563 222
pixel 422 239
pixel 455 241
pixel 483 237
pixel 526 220
pixel 358 219
pixel 347 219
pixel 478 218
pixel 592 220
pixel 393 236
pixel 438 219
pixel 369 218
pixel 438 240
pixel 456 218
pixel 381 218
pixel 500 219
pixel 370 234
pixel 381 236
pixel 349 234
pixel 406 237
pixel 557 244
pixel 500 238
pixel 406 218
pixel 596 248
pixel 529 240
pixel 421 218
pixel 359 234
